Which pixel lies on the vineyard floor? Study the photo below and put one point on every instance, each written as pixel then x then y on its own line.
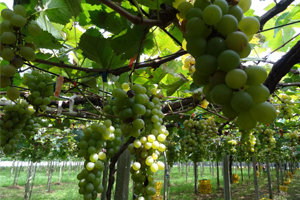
pixel 179 189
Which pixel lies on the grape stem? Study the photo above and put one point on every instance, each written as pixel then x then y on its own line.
pixel 214 113
pixel 112 165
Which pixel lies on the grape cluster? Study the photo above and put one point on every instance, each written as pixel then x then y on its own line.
pixel 15 46
pixel 188 63
pixel 41 88
pixel 268 140
pixel 199 134
pixel 295 138
pixel 228 144
pixel 217 35
pixel 142 118
pixel 99 142
pixel 172 154
pixel 287 106
pixel 248 141
pixel 15 121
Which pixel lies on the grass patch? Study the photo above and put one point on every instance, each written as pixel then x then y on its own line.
pixel 180 188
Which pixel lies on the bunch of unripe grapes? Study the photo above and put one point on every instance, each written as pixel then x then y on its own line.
pixel 41 88
pixel 287 106
pixel 248 141
pixel 295 138
pixel 15 121
pixel 268 140
pixel 171 152
pixel 199 134
pixel 188 63
pixel 217 35
pixel 100 142
pixel 228 144
pixel 142 118
pixel 14 46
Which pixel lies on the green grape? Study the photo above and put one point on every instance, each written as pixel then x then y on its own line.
pixel 241 101
pixel 228 111
pixel 255 75
pixel 228 60
pixel 6 26
pixel 8 38
pixel 183 8
pixel 4 81
pixel 236 41
pixel 7 14
pixel 20 10
pixel 136 166
pixel 12 93
pixel 8 70
pixel 17 62
pixel 206 64
pixel 223 5
pixel 28 39
pixel 215 46
pixel 195 26
pixel 125 86
pixel 34 30
pixel 212 14
pixel 18 21
pixel 245 5
pixel 259 93
pixel 217 78
pixel 27 53
pixel 193 12
pixel 201 4
pixel 200 79
pixel 7 54
pixel 221 94
pixel 138 123
pixel 236 78
pixel 196 46
pixel 245 52
pixel 249 25
pixel 245 121
pixel 236 11
pixel 227 24
pixel 263 112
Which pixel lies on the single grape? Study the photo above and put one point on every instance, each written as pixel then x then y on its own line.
pixel 217 78
pixel 228 60
pixel 236 78
pixel 18 21
pixel 206 64
pixel 7 14
pixel 264 112
pixel 195 26
pixel 9 70
pixel 245 5
pixel 223 5
pixel 246 121
pixel 228 111
pixel 201 4
pixel 12 93
pixel 193 12
pixel 259 93
pixel 4 81
pixel 34 30
pixel 20 10
pixel 27 53
pixel 212 14
pixel 249 25
pixel 7 54
pixel 221 94
pixel 196 46
pixel 215 46
pixel 245 52
pixel 8 38
pixel 6 26
pixel 17 62
pixel 227 24
pixel 236 11
pixel 183 8
pixel 255 75
pixel 236 41
pixel 241 101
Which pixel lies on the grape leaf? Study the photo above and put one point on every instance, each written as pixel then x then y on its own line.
pixel 172 88
pixel 57 11
pixel 128 44
pixel 74 6
pixel 47 41
pixel 99 50
pixel 154 4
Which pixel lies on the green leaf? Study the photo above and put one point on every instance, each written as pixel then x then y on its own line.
pixel 74 6
pixel 46 25
pixel 91 82
pixel 47 41
pixel 99 50
pixel 57 11
pixel 128 43
pixel 110 21
pixel 172 88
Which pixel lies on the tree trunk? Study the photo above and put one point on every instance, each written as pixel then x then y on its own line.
pixel 19 173
pixel 28 182
pixel 50 175
pixel 209 167
pixel 70 166
pixel 104 181
pixel 12 168
pixel 166 178
pixel 201 169
pixel 230 168
pixel 33 176
pixel 179 167
pixel 248 170
pixel 226 178
pixel 277 177
pixel 255 179
pixel 16 175
pixel 60 172
pixel 269 180
pixel 196 177
pixel 218 175
pixel 123 176
pixel 213 168
pixel 241 166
